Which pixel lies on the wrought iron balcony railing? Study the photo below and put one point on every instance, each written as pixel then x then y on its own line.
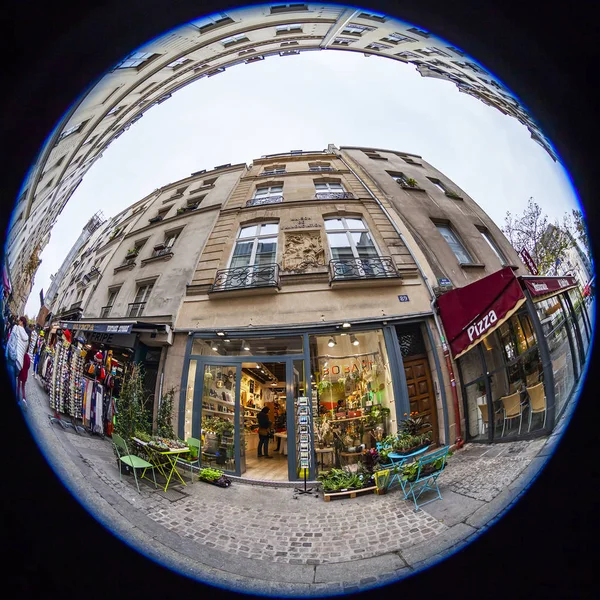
pixel 267 172
pixel 105 312
pixel 76 305
pixel 362 268
pixel 334 196
pixel 136 309
pixel 246 277
pixel 265 200
pixel 321 169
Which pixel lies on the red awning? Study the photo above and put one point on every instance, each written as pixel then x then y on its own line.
pixel 546 287
pixel 471 313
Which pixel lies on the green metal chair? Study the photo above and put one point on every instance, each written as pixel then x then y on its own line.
pixel 131 460
pixel 192 443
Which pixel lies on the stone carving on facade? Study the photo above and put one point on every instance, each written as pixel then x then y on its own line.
pixel 303 250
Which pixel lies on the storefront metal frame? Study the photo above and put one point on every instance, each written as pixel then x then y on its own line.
pixel 401 401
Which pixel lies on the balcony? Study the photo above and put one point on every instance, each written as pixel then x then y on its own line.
pixel 105 312
pixel 76 305
pixel 335 196
pixel 160 251
pixel 319 169
pixel 128 263
pixel 271 172
pixel 358 269
pixel 155 219
pixel 246 278
pixel 265 200
pixel 135 309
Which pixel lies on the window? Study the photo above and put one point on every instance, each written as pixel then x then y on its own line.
pixel 377 46
pixel 210 181
pixel 179 62
pixel 487 236
pixel 328 190
pixel 289 52
pixel 431 51
pixel 112 296
pixel 71 130
pixel 355 29
pixel 284 29
pixel 438 184
pixel 267 194
pixel 283 8
pixel 455 244
pixel 342 42
pixel 115 110
pixel 274 170
pixel 397 38
pixel 420 32
pixel 193 203
pixel 349 238
pixel 256 245
pixel 208 23
pixel 166 247
pixel 455 50
pixel 283 44
pixel 407 55
pixel 141 298
pixel 137 60
pixel 320 166
pixel 374 155
pixel 372 17
pixel 234 39
pixel 178 192
pixel 410 161
pixel 403 179
pixel 254 59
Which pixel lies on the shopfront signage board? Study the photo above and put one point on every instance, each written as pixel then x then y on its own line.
pixel 471 313
pixel 541 286
pixel 98 327
pixel 526 258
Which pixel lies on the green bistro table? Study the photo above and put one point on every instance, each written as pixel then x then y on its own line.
pixel 165 461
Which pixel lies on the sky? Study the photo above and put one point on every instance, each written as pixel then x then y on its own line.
pixel 308 101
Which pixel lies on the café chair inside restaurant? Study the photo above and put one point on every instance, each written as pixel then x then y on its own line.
pixel 513 409
pixel 537 402
pixel 131 460
pixel 532 379
pixel 483 411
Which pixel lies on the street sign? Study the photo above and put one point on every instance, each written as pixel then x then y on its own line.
pixel 526 258
pixel 403 298
pixel 443 281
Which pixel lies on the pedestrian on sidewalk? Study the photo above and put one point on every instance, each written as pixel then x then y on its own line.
pixel 16 349
pixel 22 378
pixel 264 425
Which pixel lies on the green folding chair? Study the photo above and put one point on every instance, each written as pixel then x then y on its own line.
pixel 193 444
pixel 131 460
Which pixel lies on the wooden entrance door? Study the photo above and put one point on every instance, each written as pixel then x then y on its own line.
pixel 420 391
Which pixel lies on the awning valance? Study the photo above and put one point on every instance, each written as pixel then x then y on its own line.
pixel 471 313
pixel 542 288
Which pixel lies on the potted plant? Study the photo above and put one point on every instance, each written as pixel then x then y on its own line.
pixel 214 476
pixel 410 182
pixel 181 210
pixel 382 480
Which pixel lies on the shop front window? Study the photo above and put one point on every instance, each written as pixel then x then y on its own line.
pixel 509 361
pixel 554 325
pixel 353 397
pixel 189 400
pixel 581 318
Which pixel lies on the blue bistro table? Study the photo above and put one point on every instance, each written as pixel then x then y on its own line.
pixel 398 461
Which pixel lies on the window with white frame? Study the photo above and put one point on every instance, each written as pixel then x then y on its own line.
pixel 293 28
pixel 208 23
pixel 342 41
pixel 352 249
pixel 136 60
pixel 329 189
pixel 457 247
pixel 112 296
pixel 136 308
pixel 487 236
pixel 320 166
pixel 419 32
pixel 71 130
pixel 267 194
pixel 234 39
pixel 377 46
pixel 431 50
pixel 356 29
pixel 397 38
pixel 274 170
pixel 255 246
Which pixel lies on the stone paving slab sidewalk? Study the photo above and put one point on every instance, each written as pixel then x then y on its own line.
pixel 270 540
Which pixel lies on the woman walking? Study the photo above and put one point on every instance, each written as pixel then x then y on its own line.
pixel 15 352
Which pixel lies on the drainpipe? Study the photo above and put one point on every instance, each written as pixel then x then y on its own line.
pixel 459 442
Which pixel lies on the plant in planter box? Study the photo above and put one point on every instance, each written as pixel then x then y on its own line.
pixel 414 424
pixel 382 480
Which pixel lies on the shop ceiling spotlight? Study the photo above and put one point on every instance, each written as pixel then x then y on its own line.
pixel 220 333
pixel 345 325
pixel 331 343
pixel 354 341
pixel 245 345
pixel 214 346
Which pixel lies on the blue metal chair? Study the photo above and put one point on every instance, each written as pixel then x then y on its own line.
pixel 397 462
pixel 426 480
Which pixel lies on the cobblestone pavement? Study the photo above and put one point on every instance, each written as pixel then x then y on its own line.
pixel 275 529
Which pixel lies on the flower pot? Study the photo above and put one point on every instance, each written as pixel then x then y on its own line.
pixel 411 450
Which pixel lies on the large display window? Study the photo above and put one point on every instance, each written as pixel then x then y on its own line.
pixel 353 400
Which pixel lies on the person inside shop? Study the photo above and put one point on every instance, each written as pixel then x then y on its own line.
pixel 341 405
pixel 264 426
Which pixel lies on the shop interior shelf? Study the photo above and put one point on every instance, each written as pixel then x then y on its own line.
pixel 348 419
pixel 210 399
pixel 253 409
pixel 218 412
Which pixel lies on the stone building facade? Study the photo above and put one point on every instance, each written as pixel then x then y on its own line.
pixel 203 49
